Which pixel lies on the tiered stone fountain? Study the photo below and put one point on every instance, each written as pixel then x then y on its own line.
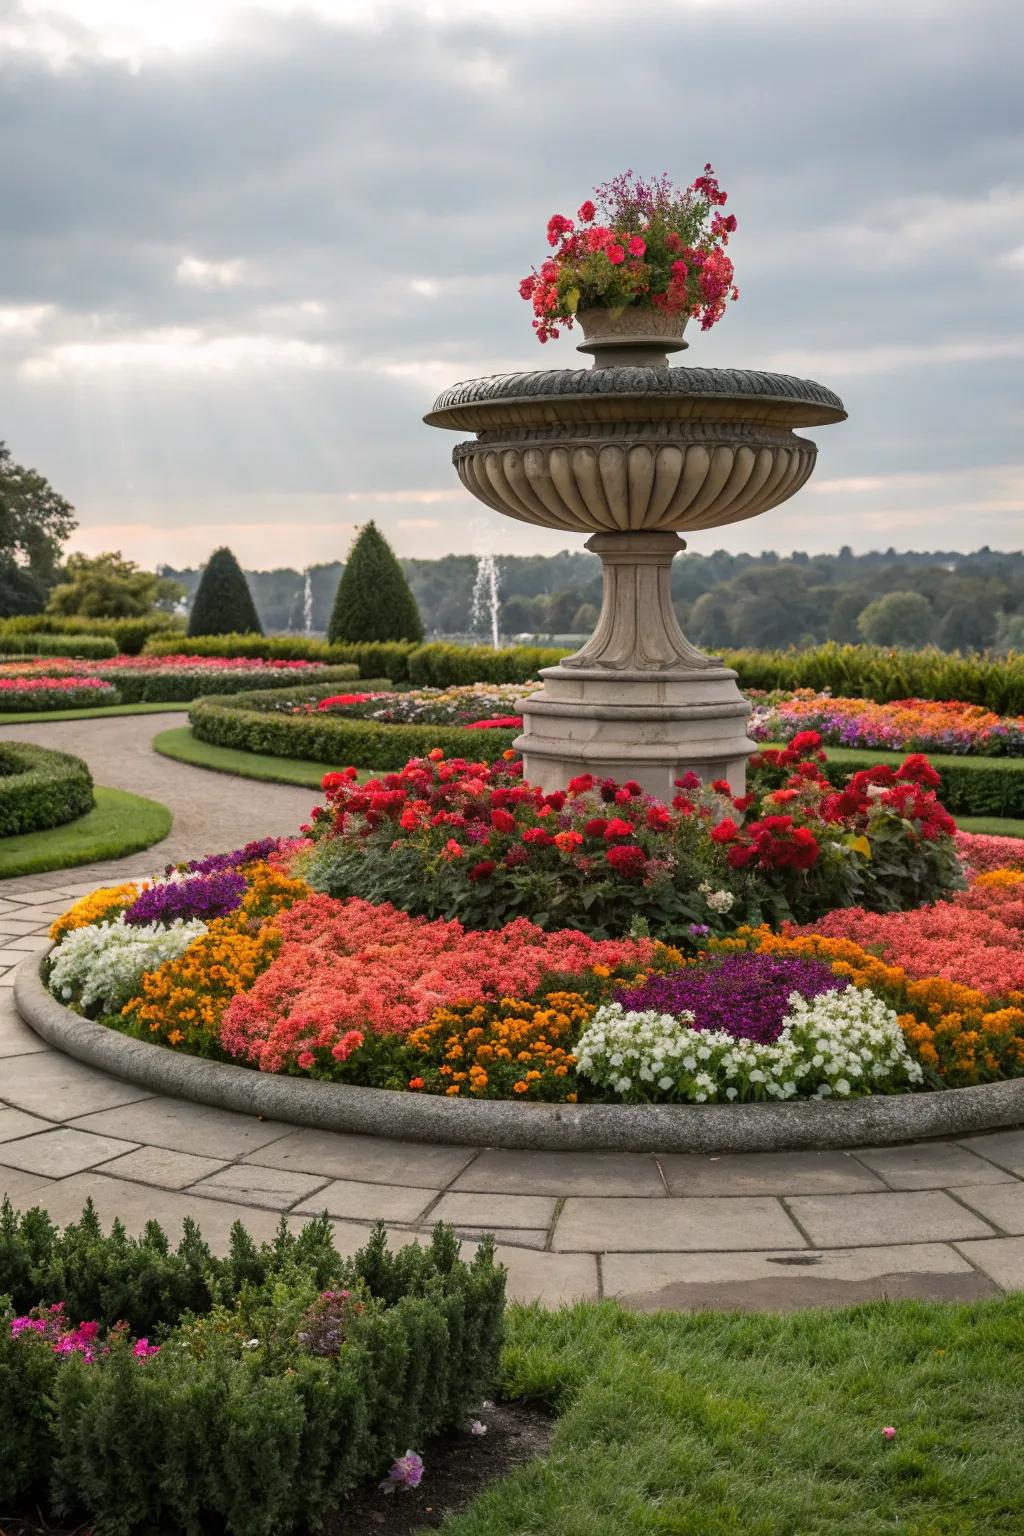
pixel 634 452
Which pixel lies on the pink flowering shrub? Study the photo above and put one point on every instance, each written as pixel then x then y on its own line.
pixel 975 938
pixel 981 853
pixel 48 691
pixel 349 968
pixel 64 1338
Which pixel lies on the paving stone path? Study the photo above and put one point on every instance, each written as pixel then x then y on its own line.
pixel 939 1220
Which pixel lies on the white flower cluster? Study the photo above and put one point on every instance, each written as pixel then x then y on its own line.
pixel 718 901
pixel 103 964
pixel 843 1043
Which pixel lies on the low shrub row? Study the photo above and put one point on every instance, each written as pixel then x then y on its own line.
pixel 250 722
pixel 971 786
pixel 433 664
pixel 875 672
pixel 180 685
pixel 40 789
pixel 129 635
pixel 260 1389
pixel 87 647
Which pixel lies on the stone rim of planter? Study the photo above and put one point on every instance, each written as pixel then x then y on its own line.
pixel 500 1123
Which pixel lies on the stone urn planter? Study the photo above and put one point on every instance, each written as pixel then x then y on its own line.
pixel 633 453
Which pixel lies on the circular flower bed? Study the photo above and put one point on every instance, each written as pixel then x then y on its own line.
pixel 906 725
pixel 611 950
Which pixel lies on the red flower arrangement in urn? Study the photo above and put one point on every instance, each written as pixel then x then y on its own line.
pixel 643 245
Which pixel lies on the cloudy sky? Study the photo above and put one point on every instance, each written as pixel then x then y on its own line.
pixel 243 245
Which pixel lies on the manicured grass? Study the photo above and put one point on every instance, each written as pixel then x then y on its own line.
pixel 180 744
pixel 995 826
pixel 717 1424
pixel 120 823
pixel 32 716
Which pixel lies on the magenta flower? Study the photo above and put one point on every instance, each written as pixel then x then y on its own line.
pixel 406 1472
pixel 888 1433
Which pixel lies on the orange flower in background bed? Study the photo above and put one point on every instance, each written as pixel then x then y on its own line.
pixel 511 1048
pixel 107 902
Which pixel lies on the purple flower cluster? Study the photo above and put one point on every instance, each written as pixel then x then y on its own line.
pixel 202 896
pixel 252 853
pixel 746 995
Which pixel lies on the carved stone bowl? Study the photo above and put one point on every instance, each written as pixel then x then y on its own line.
pixel 634 449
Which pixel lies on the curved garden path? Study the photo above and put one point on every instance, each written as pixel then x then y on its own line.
pixel 941 1219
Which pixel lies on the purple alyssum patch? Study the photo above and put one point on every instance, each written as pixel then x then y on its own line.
pixel 252 853
pixel 746 995
pixel 202 896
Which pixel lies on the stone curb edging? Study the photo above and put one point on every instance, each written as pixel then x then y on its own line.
pixel 498 1123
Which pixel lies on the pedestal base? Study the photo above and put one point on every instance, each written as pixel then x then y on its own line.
pixel 651 727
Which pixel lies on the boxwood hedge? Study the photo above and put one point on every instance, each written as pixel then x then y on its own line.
pixel 87 647
pixel 129 635
pixel 179 685
pixel 436 664
pixel 236 1425
pixel 250 722
pixel 40 788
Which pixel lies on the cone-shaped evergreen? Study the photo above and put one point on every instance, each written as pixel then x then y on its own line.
pixel 374 600
pixel 223 603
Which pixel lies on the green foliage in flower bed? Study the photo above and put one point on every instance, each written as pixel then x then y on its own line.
pixel 252 722
pixel 40 789
pixel 130 635
pixel 118 824
pixel 876 672
pixel 971 786
pixel 404 662
pixel 88 647
pixel 249 1419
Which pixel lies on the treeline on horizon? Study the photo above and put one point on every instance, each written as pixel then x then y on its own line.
pixel 956 601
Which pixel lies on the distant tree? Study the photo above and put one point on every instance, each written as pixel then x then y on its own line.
pixel 584 619
pixel 109 587
pixel 902 619
pixel 1010 636
pixel 374 600
pixel 561 610
pixel 966 626
pixel 34 523
pixel 711 620
pixel 521 615
pixel 223 603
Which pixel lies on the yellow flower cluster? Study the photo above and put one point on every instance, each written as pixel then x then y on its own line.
pixel 502 1049
pixel 99 905
pixel 182 1003
pixel 1004 878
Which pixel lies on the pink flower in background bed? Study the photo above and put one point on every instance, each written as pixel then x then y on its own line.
pixel 981 853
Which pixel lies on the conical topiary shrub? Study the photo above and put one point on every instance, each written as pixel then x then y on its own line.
pixel 373 600
pixel 223 603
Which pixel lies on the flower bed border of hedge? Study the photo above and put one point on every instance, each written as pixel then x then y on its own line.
pixel 41 789
pixel 221 721
pixel 80 647
pixel 175 687
pixel 766 1127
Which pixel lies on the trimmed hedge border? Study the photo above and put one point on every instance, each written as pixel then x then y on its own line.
pixel 501 1123
pixel 40 789
pixel 129 635
pixel 432 664
pixel 233 722
pixel 78 647
pixel 175 687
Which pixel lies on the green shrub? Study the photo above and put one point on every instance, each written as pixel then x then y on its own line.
pixel 249 723
pixel 874 672
pixel 40 789
pixel 374 601
pixel 223 603
pixel 129 635
pixel 180 685
pixel 215 1432
pixel 439 665
pixel 263 647
pixel 88 647
pixel 971 786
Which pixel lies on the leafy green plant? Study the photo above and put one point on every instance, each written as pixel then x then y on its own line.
pixel 89 647
pixel 223 603
pixel 40 788
pixel 374 601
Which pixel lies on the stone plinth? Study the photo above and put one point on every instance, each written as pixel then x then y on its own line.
pixel 638 701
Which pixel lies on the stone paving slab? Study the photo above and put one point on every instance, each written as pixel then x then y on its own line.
pixel 499 1210
pixel 56 1153
pixel 16 1039
pixel 930 1165
pixel 367 1158
pixel 562 1173
pixel 22 1188
pixel 15 1122
pixel 271 1188
pixel 185 1127
pixel 161 1167
pixel 1001 1258
pixel 1004 1148
pixel 368 1202
pixel 766 1173
pixel 622 1224
pixel 833 1221
pixel 56 1086
pixel 135 1205
pixel 1001 1204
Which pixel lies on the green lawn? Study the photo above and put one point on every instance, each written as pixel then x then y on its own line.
pixel 118 824
pixel 32 716
pixel 996 826
pixel 180 744
pixel 717 1424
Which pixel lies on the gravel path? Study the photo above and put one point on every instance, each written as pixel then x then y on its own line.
pixel 212 811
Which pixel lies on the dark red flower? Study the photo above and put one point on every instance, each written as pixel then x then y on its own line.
pixel 483 870
pixel 627 860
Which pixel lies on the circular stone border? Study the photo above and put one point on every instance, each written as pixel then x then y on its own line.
pixel 499 1123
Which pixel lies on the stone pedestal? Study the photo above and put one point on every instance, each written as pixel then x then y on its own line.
pixel 638 701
